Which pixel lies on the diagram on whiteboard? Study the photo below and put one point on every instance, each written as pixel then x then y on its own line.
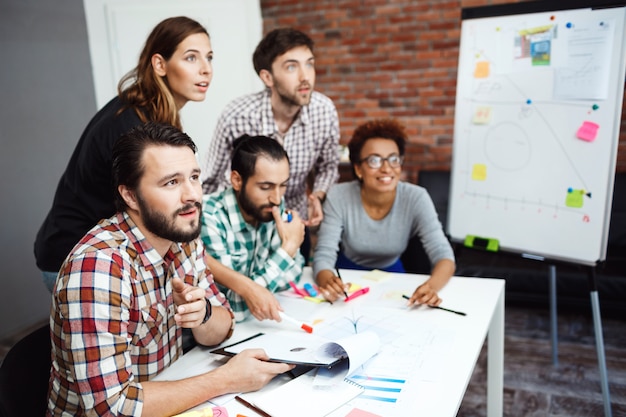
pixel 535 130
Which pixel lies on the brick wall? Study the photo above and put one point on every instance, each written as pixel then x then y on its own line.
pixel 390 58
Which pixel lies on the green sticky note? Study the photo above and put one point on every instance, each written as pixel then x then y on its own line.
pixel 574 198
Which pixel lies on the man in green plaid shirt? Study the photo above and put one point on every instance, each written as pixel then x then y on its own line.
pixel 254 240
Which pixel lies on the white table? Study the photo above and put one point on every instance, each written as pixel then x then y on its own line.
pixel 444 360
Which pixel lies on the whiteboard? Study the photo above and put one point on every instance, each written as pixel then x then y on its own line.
pixel 536 128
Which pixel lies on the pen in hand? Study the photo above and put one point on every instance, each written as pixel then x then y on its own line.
pixel 460 313
pixel 339 276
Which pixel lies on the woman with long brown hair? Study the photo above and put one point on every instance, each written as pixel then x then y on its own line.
pixel 174 67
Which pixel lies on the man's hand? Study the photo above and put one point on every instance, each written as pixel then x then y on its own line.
pixel 250 371
pixel 261 302
pixel 190 304
pixel 291 232
pixel 315 211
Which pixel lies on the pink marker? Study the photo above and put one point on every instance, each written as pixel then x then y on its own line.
pixel 357 293
pixel 297 290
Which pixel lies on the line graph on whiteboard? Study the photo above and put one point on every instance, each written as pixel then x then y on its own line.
pixel 519 129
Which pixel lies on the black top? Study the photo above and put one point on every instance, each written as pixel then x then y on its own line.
pixel 84 194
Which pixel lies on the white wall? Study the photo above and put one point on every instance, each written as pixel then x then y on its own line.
pixel 47 99
pixel 118 30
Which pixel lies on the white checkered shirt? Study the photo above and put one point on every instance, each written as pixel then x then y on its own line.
pixel 311 142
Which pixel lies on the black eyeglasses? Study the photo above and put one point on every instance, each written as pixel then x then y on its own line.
pixel 377 161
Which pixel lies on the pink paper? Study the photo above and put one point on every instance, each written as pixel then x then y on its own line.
pixel 588 131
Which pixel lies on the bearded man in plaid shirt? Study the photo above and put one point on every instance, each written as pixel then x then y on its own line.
pixel 131 285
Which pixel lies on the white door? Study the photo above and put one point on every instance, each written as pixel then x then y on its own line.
pixel 118 29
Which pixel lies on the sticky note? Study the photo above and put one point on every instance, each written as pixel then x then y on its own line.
pixel 482 69
pixel 479 172
pixel 588 131
pixel 205 412
pixel 377 275
pixel 357 412
pixel 574 198
pixel 482 115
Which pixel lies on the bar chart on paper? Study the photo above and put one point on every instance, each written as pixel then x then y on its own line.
pixel 389 377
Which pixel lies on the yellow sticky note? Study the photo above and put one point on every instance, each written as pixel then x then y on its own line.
pixel 482 69
pixel 205 412
pixel 482 115
pixel 479 172
pixel 377 275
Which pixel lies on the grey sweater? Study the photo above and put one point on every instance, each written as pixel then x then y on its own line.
pixel 377 243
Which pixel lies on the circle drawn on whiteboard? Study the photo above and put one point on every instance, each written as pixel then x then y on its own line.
pixel 507 147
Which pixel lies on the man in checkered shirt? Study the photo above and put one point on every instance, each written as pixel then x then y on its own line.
pixel 131 285
pixel 304 121
pixel 243 230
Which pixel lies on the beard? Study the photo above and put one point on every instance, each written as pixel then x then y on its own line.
pixel 160 225
pixel 257 212
pixel 294 99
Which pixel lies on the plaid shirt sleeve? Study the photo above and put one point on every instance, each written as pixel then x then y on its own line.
pixel 90 334
pixel 204 279
pixel 328 161
pixel 273 267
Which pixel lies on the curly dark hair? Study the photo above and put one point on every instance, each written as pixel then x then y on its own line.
pixel 377 128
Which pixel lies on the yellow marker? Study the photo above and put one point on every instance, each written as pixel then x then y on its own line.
pixel 315 300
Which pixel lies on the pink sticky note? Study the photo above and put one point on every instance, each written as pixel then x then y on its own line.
pixel 588 131
pixel 356 412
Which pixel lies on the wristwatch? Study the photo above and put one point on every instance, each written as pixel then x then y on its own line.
pixel 209 311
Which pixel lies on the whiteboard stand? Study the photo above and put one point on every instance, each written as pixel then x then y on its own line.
pixel 553 317
pixel 597 325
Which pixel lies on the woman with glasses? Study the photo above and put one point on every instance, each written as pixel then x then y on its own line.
pixel 368 222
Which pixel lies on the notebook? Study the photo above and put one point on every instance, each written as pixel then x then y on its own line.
pixel 302 397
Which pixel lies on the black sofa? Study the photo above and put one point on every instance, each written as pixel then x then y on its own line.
pixel 527 281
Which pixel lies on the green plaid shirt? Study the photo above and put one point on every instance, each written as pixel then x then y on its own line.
pixel 254 252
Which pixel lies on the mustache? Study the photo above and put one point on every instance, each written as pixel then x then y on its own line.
pixel 188 207
pixel 304 85
pixel 264 206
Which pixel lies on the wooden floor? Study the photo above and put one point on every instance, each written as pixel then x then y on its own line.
pixel 533 387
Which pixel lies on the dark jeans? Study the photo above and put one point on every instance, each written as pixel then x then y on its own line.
pixel 305 248
pixel 344 263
